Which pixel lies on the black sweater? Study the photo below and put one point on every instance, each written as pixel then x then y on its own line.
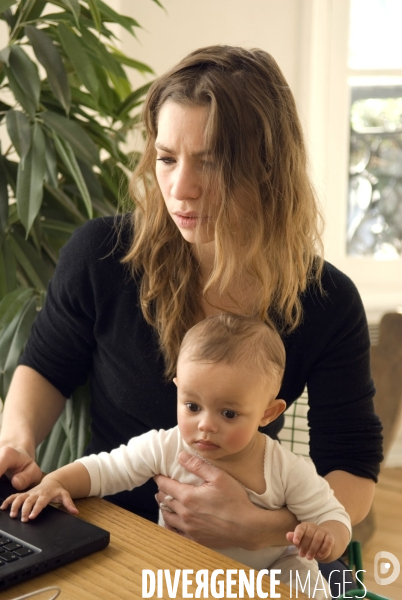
pixel 91 325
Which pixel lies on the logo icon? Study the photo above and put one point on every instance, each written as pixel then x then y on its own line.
pixel 382 568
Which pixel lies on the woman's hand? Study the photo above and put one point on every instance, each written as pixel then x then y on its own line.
pixel 31 408
pixel 19 467
pixel 218 513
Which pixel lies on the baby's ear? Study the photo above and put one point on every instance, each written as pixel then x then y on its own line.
pixel 175 381
pixel 275 408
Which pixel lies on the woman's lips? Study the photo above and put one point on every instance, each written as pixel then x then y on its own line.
pixel 188 221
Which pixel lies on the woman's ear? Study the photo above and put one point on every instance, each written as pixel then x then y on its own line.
pixel 275 408
pixel 175 381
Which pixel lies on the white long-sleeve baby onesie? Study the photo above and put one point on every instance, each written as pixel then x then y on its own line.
pixel 291 481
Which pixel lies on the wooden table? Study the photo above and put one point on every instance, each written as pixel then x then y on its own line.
pixel 115 573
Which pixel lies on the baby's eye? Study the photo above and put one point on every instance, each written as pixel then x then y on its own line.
pixel 230 414
pixel 192 407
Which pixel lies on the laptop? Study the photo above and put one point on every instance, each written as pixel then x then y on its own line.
pixel 53 539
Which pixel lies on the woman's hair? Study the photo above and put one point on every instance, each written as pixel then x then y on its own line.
pixel 235 339
pixel 267 221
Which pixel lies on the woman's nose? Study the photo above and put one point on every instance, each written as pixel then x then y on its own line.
pixel 185 184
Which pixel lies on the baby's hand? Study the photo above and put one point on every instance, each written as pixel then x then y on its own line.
pixel 34 501
pixel 312 540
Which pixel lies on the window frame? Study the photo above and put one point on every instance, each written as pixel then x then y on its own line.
pixel 324 104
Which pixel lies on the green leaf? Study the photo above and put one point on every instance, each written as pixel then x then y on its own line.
pixel 106 95
pixel 66 203
pixel 12 303
pixel 73 133
pixel 5 55
pixel 13 341
pixel 48 55
pixel 77 53
pixel 74 7
pixel 83 99
pixel 3 200
pixel 8 17
pixel 4 4
pixel 36 10
pixel 30 180
pixel 11 170
pixel 3 277
pixel 91 181
pixel 93 7
pixel 19 130
pixel 25 101
pixel 77 417
pixel 108 61
pixel 51 162
pixel 132 100
pixel 35 269
pixel 8 269
pixel 66 154
pixel 25 73
pixel 48 452
pixel 130 62
pixel 58 226
pixel 110 15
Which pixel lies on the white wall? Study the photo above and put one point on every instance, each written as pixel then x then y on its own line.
pixel 189 24
pixel 309 40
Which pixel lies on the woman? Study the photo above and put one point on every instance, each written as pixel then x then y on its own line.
pixel 225 220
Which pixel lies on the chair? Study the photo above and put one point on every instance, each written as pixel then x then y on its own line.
pixel 386 367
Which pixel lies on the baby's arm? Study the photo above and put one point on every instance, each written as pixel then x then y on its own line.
pixel 325 542
pixel 71 481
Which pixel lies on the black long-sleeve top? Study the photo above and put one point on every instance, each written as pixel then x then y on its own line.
pixel 92 325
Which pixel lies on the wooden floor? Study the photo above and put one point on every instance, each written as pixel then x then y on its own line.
pixel 388 532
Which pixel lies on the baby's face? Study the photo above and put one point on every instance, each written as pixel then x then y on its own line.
pixel 221 406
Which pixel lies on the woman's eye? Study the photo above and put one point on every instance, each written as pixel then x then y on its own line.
pixel 192 407
pixel 230 414
pixel 165 160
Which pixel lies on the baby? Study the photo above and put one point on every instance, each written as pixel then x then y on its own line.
pixel 229 373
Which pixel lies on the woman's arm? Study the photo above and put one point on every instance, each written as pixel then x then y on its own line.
pixel 31 408
pixel 354 493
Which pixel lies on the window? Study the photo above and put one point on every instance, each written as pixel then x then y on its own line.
pixel 374 219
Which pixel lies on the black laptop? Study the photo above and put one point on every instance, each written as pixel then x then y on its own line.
pixel 53 539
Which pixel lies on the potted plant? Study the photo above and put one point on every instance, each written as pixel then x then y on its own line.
pixel 66 107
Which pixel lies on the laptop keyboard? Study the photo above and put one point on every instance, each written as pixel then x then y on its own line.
pixel 10 550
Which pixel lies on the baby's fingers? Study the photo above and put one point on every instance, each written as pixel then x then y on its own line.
pixel 325 548
pixel 6 503
pixel 67 502
pixel 315 544
pixel 32 506
pixel 16 501
pixel 299 533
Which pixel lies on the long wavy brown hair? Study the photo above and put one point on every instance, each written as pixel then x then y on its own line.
pixel 267 225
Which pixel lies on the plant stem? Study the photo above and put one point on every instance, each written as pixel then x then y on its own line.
pixel 21 17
